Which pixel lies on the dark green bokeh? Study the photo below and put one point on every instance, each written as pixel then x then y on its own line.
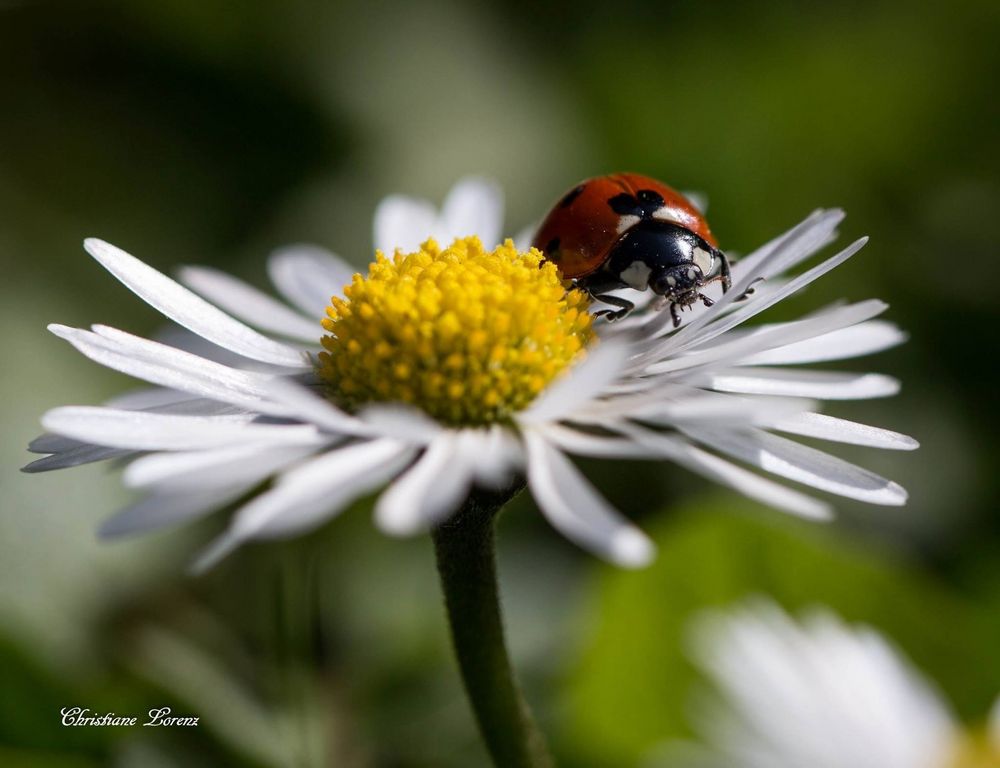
pixel 210 133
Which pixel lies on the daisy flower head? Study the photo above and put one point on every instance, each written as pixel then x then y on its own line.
pixel 459 361
pixel 818 692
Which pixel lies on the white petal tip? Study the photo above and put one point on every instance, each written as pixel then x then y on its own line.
pixel 817 513
pixel 60 330
pixel 396 525
pixel 632 549
pixel 51 420
pixel 97 248
pixel 876 385
pixel 893 495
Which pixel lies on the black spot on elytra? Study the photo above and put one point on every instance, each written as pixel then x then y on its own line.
pixel 552 246
pixel 572 195
pixel 649 197
pixel 645 203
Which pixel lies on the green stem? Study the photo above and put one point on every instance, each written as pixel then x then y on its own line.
pixel 466 562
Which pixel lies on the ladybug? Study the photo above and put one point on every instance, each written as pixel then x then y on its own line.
pixel 627 230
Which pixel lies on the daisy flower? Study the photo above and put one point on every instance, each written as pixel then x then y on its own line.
pixel 823 694
pixel 459 362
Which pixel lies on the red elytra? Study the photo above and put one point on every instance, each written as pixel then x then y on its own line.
pixel 583 227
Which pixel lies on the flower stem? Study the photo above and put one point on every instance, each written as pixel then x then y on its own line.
pixel 466 562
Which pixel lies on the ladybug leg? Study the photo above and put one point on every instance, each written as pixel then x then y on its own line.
pixel 750 290
pixel 596 287
pixel 727 280
pixel 625 307
pixel 727 276
pixel 675 314
pixel 705 300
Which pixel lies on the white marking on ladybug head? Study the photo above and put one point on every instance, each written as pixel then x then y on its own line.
pixel 666 213
pixel 671 281
pixel 703 259
pixel 636 275
pixel 692 274
pixel 626 223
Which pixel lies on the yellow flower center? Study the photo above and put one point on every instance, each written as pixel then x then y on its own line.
pixel 467 335
pixel 976 750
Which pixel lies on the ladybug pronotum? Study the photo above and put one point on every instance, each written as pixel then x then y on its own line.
pixel 626 230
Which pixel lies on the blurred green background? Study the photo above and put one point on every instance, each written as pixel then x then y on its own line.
pixel 212 132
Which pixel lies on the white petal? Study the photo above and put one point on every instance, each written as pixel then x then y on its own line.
pixel 724 320
pixel 308 276
pixel 524 237
pixel 768 261
pixel 145 397
pixel 303 403
pixel 698 199
pixel 239 379
pixel 429 491
pixel 783 252
pixel 400 422
pixel 816 231
pixel 404 223
pixel 246 303
pixel 856 341
pixel 823 385
pixel 806 465
pixel 310 494
pixel 701 407
pixel 143 431
pixel 74 457
pixel 993 725
pixel 474 206
pixel 159 510
pixel 842 431
pixel 47 443
pixel 758 304
pixel 726 473
pixel 169 367
pixel 187 309
pixel 214 468
pixel 772 336
pixel 192 406
pixel 498 452
pixel 656 325
pixel 583 382
pixel 175 336
pixel 815 693
pixel 187 407
pixel 599 446
pixel 577 511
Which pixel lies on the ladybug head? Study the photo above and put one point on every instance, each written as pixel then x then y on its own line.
pixel 672 260
pixel 680 283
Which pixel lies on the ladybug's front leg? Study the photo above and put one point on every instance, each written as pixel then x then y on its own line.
pixel 727 279
pixel 597 290
pixel 727 276
pixel 625 305
pixel 674 314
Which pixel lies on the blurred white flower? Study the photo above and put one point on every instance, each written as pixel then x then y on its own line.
pixel 822 694
pixel 236 407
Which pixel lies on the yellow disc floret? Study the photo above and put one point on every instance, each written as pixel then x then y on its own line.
pixel 470 336
pixel 976 750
